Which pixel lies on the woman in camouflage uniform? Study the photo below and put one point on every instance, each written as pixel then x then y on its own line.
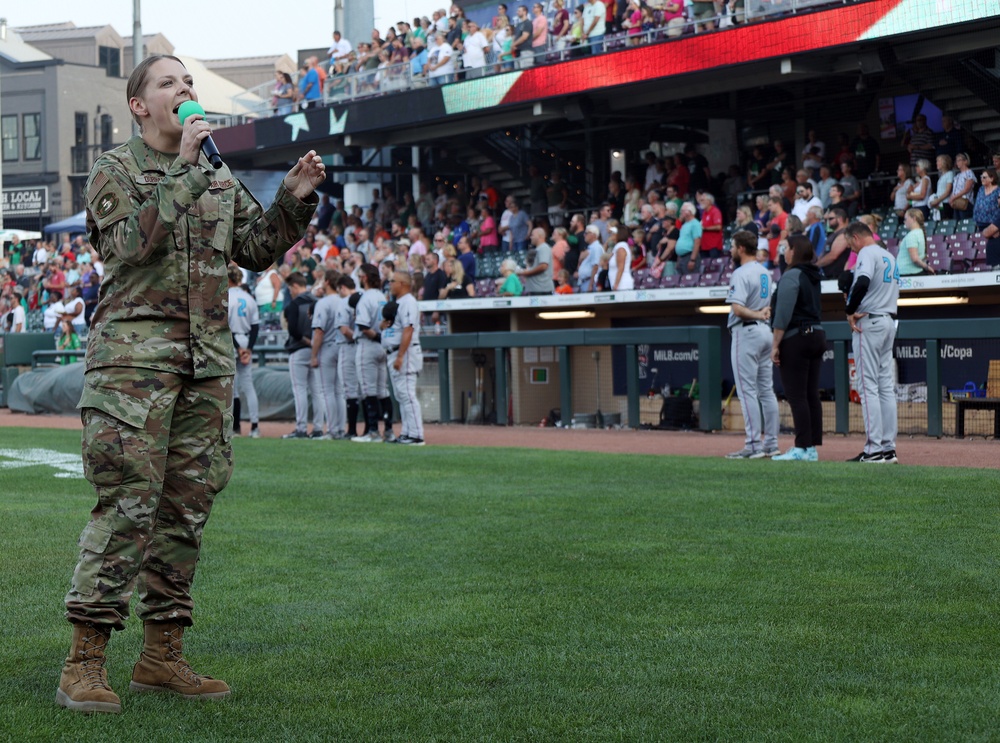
pixel 157 399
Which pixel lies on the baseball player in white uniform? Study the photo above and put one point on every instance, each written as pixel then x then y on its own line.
pixel 749 302
pixel 244 323
pixel 871 312
pixel 372 375
pixel 401 340
pixel 347 369
pixel 325 355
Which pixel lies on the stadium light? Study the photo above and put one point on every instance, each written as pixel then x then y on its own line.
pixel 714 309
pixel 567 315
pixel 931 301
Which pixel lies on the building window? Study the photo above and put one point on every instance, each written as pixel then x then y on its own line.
pixel 32 126
pixel 8 128
pixel 110 58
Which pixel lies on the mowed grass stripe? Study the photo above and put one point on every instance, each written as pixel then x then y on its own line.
pixel 381 593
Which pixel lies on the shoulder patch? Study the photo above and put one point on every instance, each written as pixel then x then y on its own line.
pixel 105 205
pixel 220 185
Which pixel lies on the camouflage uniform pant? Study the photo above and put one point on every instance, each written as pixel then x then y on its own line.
pixel 157 448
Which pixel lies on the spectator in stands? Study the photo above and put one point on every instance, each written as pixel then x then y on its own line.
pixel 852 189
pixel 339 51
pixel 539 33
pixel 561 26
pixel 458 286
pixel 815 229
pixel 467 258
pixel 556 198
pixel 826 181
pixel 672 17
pixel 601 222
pixel 711 226
pixel 521 38
pixel 987 210
pixel 949 141
pixel 946 179
pixel 919 140
pixel 563 285
pixel 309 88
pixel 703 14
pixel 632 22
pixel 788 186
pixel 992 235
pixel 474 51
pixel 867 156
pixel 688 247
pixel 53 311
pixel 590 259
pixel 75 309
pixel 834 260
pixel 435 279
pixel 912 259
pixel 90 289
pixel 518 226
pixel 440 68
pixel 777 226
pixel 744 220
pixel 594 28
pixel 963 191
pixel 15 318
pixel 537 276
pixel 805 200
pixel 900 192
pixel 620 261
pixel 920 194
pixel 509 285
pixel 560 246
pixel 814 147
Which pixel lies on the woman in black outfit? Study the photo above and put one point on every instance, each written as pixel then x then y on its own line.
pixel 798 347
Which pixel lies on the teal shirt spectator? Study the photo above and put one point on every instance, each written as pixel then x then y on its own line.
pixel 512 286
pixel 690 231
pixel 913 239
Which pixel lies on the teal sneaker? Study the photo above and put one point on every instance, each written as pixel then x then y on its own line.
pixel 812 455
pixel 794 454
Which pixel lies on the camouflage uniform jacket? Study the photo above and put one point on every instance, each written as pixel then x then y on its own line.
pixel 166 231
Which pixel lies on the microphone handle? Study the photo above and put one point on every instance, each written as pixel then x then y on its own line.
pixel 211 152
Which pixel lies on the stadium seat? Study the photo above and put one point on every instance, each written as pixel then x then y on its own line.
pixel 648 282
pixel 946 227
pixel 669 282
pixel 709 279
pixel 940 265
pixel 640 276
pixel 965 226
pixel 689 280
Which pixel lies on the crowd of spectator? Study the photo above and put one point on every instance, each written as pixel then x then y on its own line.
pixel 45 287
pixel 449 46
pixel 667 217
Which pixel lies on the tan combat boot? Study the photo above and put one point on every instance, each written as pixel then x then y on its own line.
pixel 83 685
pixel 162 667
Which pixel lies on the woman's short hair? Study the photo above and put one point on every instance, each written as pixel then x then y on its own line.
pixel 509 264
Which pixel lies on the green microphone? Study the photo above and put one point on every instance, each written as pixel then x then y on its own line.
pixel 189 108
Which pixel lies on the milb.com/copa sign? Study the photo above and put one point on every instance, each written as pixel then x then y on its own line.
pixel 24 201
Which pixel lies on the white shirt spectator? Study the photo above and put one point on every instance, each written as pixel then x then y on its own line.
pixel 51 315
pixel 18 323
pixel 592 11
pixel 801 207
pixel 339 50
pixel 39 257
pixel 442 53
pixel 75 308
pixel 473 54
pixel 417 248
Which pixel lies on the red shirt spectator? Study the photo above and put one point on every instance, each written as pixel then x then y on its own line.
pixel 711 239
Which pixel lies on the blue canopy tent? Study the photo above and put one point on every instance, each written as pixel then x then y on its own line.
pixel 75 225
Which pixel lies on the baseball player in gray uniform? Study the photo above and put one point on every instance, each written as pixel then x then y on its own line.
pixel 325 355
pixel 871 312
pixel 401 340
pixel 749 302
pixel 244 323
pixel 347 370
pixel 372 376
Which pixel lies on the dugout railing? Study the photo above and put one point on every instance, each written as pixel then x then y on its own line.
pixel 707 340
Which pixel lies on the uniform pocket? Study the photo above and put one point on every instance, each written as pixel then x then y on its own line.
pixel 115 445
pixel 93 542
pixel 221 468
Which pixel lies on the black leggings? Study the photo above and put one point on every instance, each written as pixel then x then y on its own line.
pixel 801 357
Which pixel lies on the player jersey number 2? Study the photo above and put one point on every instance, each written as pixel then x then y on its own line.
pixel 891 271
pixel 241 311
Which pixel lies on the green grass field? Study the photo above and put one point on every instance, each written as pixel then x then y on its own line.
pixel 359 593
